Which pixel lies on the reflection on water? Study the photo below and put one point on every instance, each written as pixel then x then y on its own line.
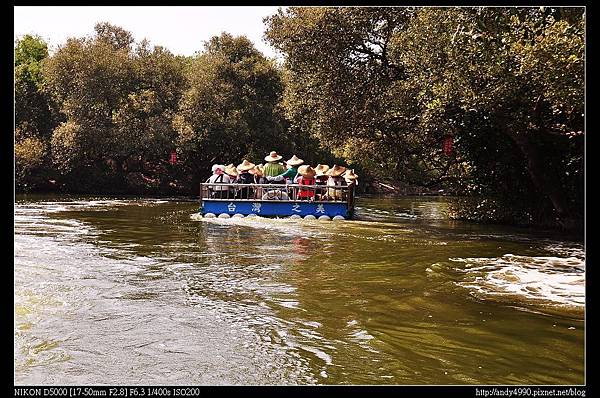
pixel 144 291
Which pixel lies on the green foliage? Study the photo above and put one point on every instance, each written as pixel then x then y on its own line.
pixel 345 88
pixel 89 78
pixel 68 146
pixel 515 79
pixel 115 36
pixel 143 121
pixel 122 107
pixel 30 49
pixel 30 152
pixel 384 86
pixel 230 110
pixel 29 159
pixel 35 116
pixel 118 102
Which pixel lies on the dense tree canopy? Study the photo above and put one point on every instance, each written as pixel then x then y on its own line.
pixel 118 101
pixel 230 109
pixel 342 84
pixel 122 107
pixel 385 86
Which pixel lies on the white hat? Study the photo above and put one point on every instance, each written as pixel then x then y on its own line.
pixel 217 166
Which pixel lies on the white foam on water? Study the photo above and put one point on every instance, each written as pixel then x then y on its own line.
pixel 155 201
pixel 75 205
pixel 325 357
pixel 196 217
pixel 361 335
pixel 406 215
pixel 285 226
pixel 42 224
pixel 566 251
pixel 78 205
pixel 557 281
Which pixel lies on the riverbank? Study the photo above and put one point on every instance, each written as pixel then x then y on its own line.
pixel 483 209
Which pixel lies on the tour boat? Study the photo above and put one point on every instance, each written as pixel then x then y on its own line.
pixel 276 200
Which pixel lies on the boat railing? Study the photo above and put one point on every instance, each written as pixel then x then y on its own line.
pixel 277 192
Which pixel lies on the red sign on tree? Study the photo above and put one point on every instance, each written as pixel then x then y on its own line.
pixel 447 145
pixel 173 159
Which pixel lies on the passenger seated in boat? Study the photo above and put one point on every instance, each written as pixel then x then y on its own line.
pixel 306 177
pixel 244 177
pixel 272 168
pixel 321 179
pixel 218 177
pixel 258 173
pixel 291 173
pixel 232 172
pixel 351 180
pixel 259 178
pixel 350 177
pixel 275 194
pixel 334 181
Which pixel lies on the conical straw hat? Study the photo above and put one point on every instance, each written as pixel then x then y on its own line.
pixel 257 170
pixel 295 161
pixel 336 171
pixel 321 169
pixel 245 165
pixel 306 171
pixel 231 170
pixel 350 177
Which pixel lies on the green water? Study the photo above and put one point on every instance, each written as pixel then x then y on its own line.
pixel 141 291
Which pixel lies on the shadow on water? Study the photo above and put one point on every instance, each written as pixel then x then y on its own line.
pixel 401 295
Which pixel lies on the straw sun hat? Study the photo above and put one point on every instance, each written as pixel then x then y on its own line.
pixel 295 161
pixel 350 177
pixel 306 171
pixel 321 169
pixel 336 171
pixel 273 157
pixel 257 170
pixel 231 170
pixel 245 166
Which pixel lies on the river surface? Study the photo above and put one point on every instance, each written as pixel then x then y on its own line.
pixel 142 291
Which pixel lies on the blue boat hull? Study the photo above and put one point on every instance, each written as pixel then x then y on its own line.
pixel 274 209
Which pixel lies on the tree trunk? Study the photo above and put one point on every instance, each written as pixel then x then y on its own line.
pixel 547 184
